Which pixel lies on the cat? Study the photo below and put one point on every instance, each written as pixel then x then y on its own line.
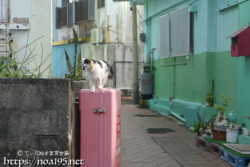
pixel 98 72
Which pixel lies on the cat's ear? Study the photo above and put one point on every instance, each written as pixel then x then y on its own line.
pixel 87 61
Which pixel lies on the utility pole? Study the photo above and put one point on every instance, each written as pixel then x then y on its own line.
pixel 135 57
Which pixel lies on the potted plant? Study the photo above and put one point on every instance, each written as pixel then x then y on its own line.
pixel 220 123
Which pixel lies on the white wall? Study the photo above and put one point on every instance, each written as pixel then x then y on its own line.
pixel 29 20
pixel 40 25
pixel 120 22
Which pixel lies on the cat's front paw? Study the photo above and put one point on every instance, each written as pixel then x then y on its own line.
pixel 92 90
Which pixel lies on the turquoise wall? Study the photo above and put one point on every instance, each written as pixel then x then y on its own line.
pixel 214 21
pixel 59 65
pixel 243 79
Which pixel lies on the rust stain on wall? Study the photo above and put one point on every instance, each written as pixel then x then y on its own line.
pixel 108 31
pixel 23 21
pixel 85 29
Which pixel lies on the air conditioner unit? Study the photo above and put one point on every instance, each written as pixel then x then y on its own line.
pixel 97 36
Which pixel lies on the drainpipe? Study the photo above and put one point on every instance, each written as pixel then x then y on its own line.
pixel 135 57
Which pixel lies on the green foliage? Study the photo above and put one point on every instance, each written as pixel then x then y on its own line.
pixel 210 100
pixel 210 96
pixel 222 108
pixel 11 68
pixel 202 125
pixel 75 71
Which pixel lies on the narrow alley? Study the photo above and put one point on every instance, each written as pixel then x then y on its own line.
pixel 152 140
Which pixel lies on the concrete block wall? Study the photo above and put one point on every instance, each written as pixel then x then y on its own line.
pixel 37 115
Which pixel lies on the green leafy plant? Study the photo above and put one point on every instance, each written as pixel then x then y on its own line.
pixel 222 108
pixel 202 126
pixel 10 67
pixel 210 96
pixel 75 71
pixel 210 100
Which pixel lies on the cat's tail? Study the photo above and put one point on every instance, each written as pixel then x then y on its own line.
pixel 111 73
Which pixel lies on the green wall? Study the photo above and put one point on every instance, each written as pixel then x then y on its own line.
pixel 190 79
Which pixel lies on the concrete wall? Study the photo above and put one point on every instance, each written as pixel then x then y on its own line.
pixel 30 20
pixel 37 115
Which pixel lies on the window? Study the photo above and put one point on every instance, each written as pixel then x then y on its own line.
pixel 101 3
pixel 81 11
pixel 84 10
pixel 64 15
pixel 3 11
pixel 176 33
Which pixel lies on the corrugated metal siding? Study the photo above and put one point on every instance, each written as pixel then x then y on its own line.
pixel 59 66
pixel 180 32
pixel 165 36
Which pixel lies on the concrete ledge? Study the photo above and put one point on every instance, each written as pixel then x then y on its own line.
pixel 160 105
pixel 185 111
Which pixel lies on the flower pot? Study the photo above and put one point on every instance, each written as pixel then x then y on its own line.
pixel 232 136
pixel 219 134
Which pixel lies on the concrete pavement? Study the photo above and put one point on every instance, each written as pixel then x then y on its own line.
pixel 169 144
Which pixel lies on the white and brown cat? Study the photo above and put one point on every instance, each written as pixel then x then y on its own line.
pixel 98 73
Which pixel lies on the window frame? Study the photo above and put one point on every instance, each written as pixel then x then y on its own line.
pixel 68 15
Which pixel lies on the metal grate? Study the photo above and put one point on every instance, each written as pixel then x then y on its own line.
pixel 81 11
pixel 61 17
